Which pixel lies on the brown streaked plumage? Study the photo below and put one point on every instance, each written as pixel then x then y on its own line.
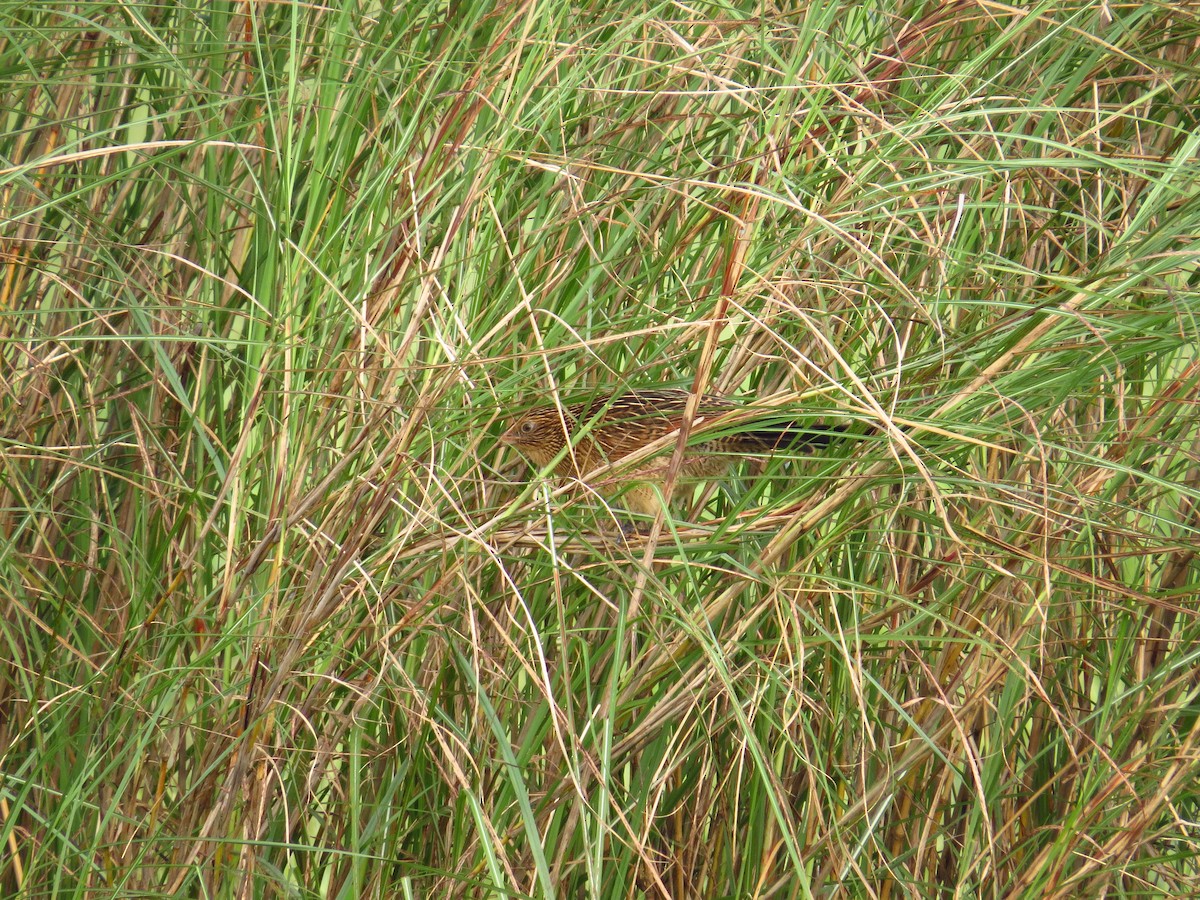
pixel 619 426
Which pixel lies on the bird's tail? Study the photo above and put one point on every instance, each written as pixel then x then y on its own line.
pixel 790 436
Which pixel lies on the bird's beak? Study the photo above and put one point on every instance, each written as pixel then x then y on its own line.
pixel 509 437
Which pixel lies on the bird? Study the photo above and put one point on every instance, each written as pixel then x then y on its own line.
pixel 611 426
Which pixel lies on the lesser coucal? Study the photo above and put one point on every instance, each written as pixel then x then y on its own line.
pixel 607 428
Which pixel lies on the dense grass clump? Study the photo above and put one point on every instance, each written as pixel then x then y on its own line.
pixel 281 618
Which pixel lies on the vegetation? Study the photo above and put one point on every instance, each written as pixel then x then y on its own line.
pixel 282 618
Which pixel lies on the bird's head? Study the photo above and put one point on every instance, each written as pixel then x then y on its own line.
pixel 538 434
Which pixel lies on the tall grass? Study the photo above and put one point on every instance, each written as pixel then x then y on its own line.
pixel 281 617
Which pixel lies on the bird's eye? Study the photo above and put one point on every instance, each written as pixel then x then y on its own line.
pixel 528 426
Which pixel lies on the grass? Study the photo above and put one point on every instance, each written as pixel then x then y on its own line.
pixel 282 618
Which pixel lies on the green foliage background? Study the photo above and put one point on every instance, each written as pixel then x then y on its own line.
pixel 280 616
